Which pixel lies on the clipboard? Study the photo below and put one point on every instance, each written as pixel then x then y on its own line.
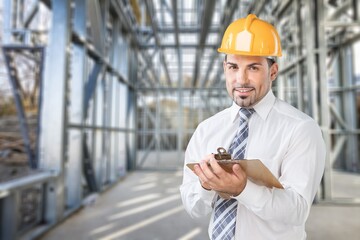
pixel 255 170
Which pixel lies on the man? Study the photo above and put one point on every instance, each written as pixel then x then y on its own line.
pixel 257 126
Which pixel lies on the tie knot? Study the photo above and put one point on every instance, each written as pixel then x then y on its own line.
pixel 245 113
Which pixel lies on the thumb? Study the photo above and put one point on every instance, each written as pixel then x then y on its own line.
pixel 238 171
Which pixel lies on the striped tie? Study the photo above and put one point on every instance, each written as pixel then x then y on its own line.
pixel 225 209
pixel 238 146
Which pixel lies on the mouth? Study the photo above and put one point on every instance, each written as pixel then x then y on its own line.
pixel 243 92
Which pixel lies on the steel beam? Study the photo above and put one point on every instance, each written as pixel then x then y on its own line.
pixel 8 24
pixel 225 19
pixel 97 25
pixel 9 51
pixel 119 8
pixel 34 10
pixel 76 110
pixel 323 85
pixel 53 123
pixel 149 9
pixel 205 25
pixel 352 162
pixel 90 86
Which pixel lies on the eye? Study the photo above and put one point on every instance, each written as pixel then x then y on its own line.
pixel 233 67
pixel 253 68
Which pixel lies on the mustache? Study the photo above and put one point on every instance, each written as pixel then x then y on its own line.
pixel 237 85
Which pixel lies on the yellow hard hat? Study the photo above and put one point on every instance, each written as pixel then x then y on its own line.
pixel 251 36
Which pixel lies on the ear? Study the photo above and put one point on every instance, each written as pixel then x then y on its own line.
pixel 224 65
pixel 274 69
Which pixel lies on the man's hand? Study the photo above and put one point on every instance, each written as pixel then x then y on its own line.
pixel 216 178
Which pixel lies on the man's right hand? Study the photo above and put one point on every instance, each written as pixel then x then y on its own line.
pixel 214 177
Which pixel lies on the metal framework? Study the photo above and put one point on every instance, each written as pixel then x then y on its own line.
pixel 122 84
pixel 86 106
pixel 318 75
pixel 35 55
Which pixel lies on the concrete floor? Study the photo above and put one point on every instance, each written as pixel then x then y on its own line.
pixel 147 205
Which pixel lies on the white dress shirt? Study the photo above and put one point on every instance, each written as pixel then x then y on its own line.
pixel 289 143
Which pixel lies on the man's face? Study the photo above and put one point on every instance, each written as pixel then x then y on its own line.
pixel 248 78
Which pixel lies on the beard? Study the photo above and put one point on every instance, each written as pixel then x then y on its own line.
pixel 243 101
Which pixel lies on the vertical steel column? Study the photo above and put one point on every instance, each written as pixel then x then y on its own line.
pixel 97 25
pixel 180 130
pixel 298 50
pixel 158 123
pixel 9 217
pixel 52 115
pixel 104 16
pixel 324 98
pixel 131 135
pixel 98 161
pixel 73 179
pixel 106 124
pixel 7 14
pixel 311 58
pixel 114 122
pixel 349 109
pixel 114 112
pixel 180 133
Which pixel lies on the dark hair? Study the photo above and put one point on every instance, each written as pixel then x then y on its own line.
pixel 270 61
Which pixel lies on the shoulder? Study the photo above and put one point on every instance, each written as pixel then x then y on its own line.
pixel 288 112
pixel 294 121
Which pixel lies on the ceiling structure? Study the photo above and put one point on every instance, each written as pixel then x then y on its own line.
pixel 184 36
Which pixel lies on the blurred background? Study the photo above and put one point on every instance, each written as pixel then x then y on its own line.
pixel 99 98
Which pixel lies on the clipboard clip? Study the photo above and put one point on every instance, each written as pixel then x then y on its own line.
pixel 222 154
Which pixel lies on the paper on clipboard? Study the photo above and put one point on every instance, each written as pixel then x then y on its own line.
pixel 255 170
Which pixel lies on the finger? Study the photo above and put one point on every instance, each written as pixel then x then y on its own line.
pixel 216 168
pixel 205 167
pixel 241 176
pixel 202 178
pixel 212 178
pixel 238 171
pixel 198 171
pixel 201 173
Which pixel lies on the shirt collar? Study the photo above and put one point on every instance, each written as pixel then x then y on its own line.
pixel 262 108
pixel 234 111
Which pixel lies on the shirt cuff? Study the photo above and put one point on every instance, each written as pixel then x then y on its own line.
pixel 254 195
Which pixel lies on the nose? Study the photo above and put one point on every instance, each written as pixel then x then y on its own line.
pixel 241 77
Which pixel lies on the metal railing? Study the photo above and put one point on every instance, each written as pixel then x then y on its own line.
pixel 22 208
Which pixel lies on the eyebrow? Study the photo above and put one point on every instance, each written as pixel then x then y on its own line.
pixel 232 64
pixel 249 65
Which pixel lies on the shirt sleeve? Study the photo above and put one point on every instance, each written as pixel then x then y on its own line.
pixel 196 200
pixel 301 172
